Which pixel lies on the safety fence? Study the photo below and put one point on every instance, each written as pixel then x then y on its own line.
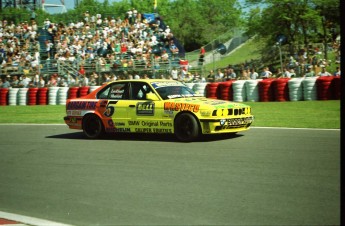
pixel 260 90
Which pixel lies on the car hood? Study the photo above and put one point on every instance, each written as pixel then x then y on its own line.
pixel 208 102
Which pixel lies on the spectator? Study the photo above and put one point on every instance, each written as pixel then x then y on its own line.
pixel 202 55
pixel 24 81
pixel 5 82
pixel 173 49
pixel 323 71
pixel 231 74
pixel 41 82
pixel 174 73
pixel 211 76
pixel 337 72
pixel 310 72
pixel 219 76
pixel 286 73
pixel 253 74
pixel 15 81
pixel 266 73
pixel 292 73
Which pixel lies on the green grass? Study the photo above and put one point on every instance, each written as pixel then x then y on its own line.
pixel 248 51
pixel 299 114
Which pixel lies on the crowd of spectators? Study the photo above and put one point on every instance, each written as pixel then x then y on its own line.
pixel 109 43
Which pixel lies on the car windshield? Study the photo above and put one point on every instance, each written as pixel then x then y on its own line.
pixel 173 89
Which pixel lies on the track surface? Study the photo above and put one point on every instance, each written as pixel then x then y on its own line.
pixel 263 176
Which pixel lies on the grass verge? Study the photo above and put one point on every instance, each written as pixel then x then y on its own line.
pixel 300 114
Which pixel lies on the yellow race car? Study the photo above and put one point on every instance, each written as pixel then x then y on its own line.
pixel 154 106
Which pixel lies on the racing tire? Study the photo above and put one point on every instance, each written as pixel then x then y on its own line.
pixel 93 127
pixel 186 127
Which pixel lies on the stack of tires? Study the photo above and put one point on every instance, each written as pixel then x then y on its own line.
pixel 42 96
pixel 13 96
pixel 225 90
pixel 62 95
pixel 22 96
pixel 32 93
pixel 295 89
pixel 211 90
pixel 252 89
pixel 73 92
pixel 266 90
pixel 281 89
pixel 200 88
pixel 239 91
pixel 325 88
pixel 309 88
pixel 83 91
pixel 52 95
pixel 3 96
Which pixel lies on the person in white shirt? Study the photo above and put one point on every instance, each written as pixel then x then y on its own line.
pixel 323 71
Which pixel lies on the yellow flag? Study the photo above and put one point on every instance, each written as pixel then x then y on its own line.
pixel 155 4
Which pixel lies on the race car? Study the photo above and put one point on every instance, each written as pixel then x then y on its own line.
pixel 154 106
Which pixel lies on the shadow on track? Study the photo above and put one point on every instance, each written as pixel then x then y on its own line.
pixel 145 137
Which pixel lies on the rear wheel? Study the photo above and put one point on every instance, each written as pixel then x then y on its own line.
pixel 92 126
pixel 186 127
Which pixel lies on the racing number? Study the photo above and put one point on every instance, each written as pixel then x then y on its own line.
pixel 109 110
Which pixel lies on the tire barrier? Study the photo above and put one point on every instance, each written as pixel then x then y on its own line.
pixel 325 88
pixel 266 90
pixel 22 96
pixel 62 95
pixel 200 88
pixel 295 89
pixel 73 92
pixel 32 96
pixel 211 90
pixel 225 90
pixel 42 95
pixel 281 89
pixel 4 96
pixel 239 91
pixel 309 88
pixel 13 96
pixel 52 95
pixel 252 89
pixel 83 91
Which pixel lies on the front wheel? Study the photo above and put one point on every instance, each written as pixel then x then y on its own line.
pixel 186 127
pixel 92 127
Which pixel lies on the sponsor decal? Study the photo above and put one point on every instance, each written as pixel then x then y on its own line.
pixel 150 123
pixel 152 130
pixel 171 106
pixel 74 113
pixel 81 105
pixel 235 122
pixel 145 108
pixel 118 130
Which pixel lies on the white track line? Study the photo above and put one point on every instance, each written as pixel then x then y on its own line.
pixel 29 220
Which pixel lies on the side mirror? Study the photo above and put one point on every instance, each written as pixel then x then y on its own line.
pixel 151 96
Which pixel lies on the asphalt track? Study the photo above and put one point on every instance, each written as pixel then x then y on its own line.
pixel 264 176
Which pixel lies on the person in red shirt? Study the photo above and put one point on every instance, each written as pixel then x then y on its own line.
pixel 201 56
